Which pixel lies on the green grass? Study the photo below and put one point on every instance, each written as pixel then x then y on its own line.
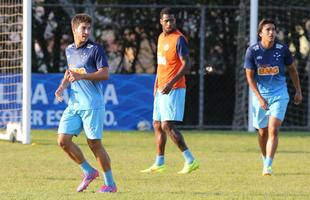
pixel 230 168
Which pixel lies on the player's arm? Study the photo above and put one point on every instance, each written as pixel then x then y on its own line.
pixel 295 79
pixel 100 75
pixel 183 70
pixel 183 52
pixel 155 86
pixel 63 85
pixel 249 65
pixel 252 84
pixel 101 63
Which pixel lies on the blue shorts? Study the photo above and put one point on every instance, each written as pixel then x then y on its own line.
pixel 277 107
pixel 169 107
pixel 74 121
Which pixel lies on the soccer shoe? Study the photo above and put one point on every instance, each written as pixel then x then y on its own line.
pixel 267 171
pixel 154 169
pixel 188 168
pixel 107 189
pixel 87 179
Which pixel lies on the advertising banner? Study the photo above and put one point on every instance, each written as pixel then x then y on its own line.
pixel 128 98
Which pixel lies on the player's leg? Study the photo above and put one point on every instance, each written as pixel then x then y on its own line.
pixel 172 109
pixel 160 139
pixel 70 124
pixel 160 135
pixel 277 111
pixel 190 164
pixel 104 161
pixel 100 154
pixel 260 122
pixel 73 151
pixel 273 130
pixel 262 141
pixel 93 126
pixel 169 128
pixel 272 144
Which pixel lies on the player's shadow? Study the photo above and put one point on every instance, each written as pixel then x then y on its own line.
pixel 59 178
pixel 295 152
pixel 293 174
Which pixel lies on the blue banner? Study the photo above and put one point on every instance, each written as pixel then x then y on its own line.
pixel 128 98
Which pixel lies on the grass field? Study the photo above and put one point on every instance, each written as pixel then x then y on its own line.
pixel 230 168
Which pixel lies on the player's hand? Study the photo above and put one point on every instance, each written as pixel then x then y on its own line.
pixel 263 103
pixel 167 88
pixel 58 94
pixel 298 98
pixel 74 76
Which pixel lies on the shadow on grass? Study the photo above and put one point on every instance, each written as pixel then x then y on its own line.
pixel 59 178
pixel 293 152
pixel 293 174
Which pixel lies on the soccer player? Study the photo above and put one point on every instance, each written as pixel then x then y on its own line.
pixel 87 67
pixel 169 92
pixel 265 72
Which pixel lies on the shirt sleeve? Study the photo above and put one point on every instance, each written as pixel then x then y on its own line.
pixel 100 58
pixel 288 58
pixel 182 47
pixel 249 60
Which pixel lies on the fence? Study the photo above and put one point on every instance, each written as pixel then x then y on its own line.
pixel 218 37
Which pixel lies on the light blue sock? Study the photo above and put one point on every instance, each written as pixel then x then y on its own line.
pixel 268 162
pixel 188 156
pixel 86 167
pixel 263 159
pixel 160 160
pixel 108 178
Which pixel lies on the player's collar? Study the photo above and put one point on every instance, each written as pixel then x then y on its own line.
pixel 166 34
pixel 265 49
pixel 83 45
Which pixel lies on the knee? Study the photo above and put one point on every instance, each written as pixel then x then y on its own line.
pixel 166 126
pixel 94 145
pixel 263 132
pixel 273 132
pixel 62 142
pixel 157 125
pixel 169 128
pixel 272 129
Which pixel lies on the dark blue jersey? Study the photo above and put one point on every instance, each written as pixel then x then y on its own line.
pixel 269 66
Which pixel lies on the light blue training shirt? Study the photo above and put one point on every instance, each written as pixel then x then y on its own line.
pixel 85 94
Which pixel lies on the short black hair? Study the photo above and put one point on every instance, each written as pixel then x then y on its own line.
pixel 262 23
pixel 167 11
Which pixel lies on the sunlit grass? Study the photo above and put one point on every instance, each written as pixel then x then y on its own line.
pixel 230 168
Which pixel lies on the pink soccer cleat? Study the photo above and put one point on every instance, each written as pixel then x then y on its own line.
pixel 87 179
pixel 107 189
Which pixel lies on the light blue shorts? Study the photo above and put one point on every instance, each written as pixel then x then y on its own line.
pixel 277 108
pixel 169 107
pixel 74 121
